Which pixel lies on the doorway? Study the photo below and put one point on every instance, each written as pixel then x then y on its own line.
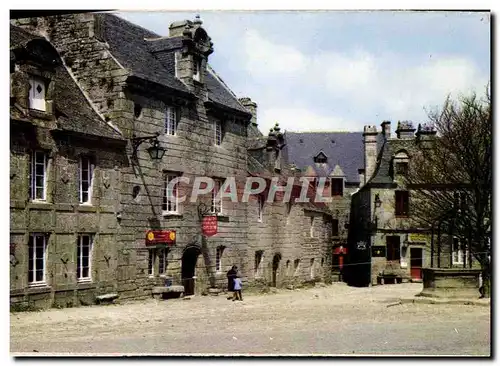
pixel 276 264
pixel 189 259
pixel 416 263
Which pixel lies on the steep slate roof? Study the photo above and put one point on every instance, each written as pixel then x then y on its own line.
pixel 127 44
pixel 72 109
pixel 383 172
pixel 347 151
pixel 151 57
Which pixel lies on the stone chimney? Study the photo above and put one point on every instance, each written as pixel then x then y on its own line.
pixel 370 140
pixel 251 106
pixel 191 61
pixel 386 129
pixel 405 130
pixel 426 135
pixel 274 145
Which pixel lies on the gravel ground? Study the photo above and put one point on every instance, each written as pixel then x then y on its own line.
pixel 331 320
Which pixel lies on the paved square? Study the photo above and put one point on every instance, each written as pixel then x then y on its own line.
pixel 331 320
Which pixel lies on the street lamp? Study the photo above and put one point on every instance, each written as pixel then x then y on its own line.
pixel 155 151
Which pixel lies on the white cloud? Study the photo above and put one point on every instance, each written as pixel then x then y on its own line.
pixel 389 86
pixel 299 119
pixel 264 58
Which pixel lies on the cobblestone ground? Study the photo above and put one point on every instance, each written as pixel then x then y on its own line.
pixel 331 320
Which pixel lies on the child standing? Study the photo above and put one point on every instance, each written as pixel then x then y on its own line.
pixel 237 289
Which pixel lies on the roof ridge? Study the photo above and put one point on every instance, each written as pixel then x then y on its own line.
pixel 131 24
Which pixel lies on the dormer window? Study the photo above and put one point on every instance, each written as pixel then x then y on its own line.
pixel 37 93
pixel 320 158
pixel 401 163
pixel 401 168
pixel 197 69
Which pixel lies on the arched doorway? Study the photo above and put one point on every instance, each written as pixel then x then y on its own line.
pixel 276 264
pixel 189 259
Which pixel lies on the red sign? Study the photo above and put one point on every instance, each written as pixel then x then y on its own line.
pixel 340 250
pixel 209 225
pixel 160 236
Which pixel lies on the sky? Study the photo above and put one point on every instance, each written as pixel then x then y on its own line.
pixel 342 70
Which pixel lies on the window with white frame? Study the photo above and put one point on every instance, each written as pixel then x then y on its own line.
pixel 84 257
pixel 86 172
pixel 216 201
pixel 37 94
pixel 159 255
pixel 170 194
pixel 37 248
pixel 260 207
pixel 218 132
pixel 170 121
pixel 38 176
pixel 218 258
pixel 459 253
pixel 311 228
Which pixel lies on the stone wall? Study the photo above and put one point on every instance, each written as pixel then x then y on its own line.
pixel 62 219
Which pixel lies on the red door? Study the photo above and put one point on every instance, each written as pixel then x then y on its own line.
pixel 416 263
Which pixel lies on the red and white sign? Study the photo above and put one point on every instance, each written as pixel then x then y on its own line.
pixel 154 237
pixel 209 225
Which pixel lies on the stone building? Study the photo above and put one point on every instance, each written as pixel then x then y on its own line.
pixel 338 159
pixel 65 164
pixel 385 242
pixel 158 94
pixel 292 241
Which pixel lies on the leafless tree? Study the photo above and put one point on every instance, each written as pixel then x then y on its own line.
pixel 452 178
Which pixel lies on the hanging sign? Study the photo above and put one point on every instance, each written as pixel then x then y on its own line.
pixel 361 245
pixel 417 238
pixel 154 237
pixel 340 250
pixel 209 225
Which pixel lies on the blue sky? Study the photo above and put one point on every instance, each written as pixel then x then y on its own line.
pixel 339 71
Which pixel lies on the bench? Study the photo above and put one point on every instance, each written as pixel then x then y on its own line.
pixel 392 278
pixel 106 298
pixel 162 292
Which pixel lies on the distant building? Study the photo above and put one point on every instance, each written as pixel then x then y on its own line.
pixel 385 244
pixel 338 159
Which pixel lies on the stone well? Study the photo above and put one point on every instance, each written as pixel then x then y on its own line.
pixel 451 282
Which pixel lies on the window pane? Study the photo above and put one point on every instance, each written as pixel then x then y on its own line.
pixel 40 158
pixel 40 169
pixel 161 264
pixel 39 275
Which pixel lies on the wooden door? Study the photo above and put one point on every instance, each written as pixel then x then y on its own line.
pixel 416 263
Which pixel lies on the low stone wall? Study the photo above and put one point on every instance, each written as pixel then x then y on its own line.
pixel 451 283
